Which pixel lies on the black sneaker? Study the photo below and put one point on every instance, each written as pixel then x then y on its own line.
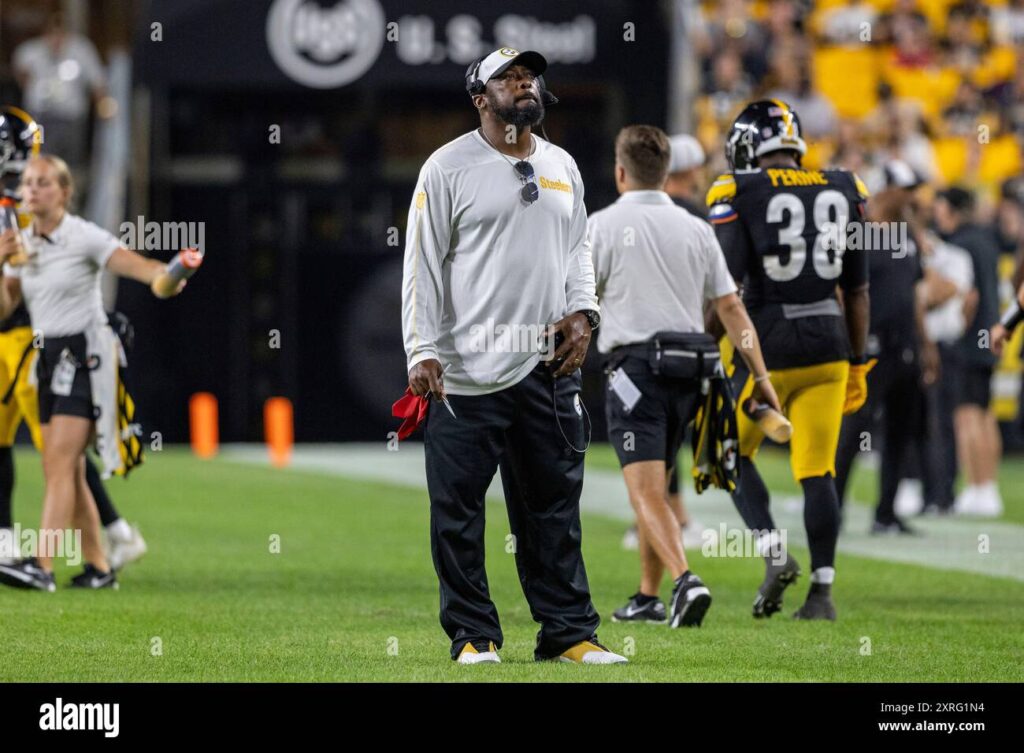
pixel 90 577
pixel 650 611
pixel 896 526
pixel 818 605
pixel 26 573
pixel 690 601
pixel 777 578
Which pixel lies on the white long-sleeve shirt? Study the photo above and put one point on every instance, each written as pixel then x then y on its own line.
pixel 485 272
pixel 946 323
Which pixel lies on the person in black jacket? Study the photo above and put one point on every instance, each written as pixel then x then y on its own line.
pixel 906 359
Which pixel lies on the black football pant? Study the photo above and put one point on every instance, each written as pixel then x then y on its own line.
pixel 542 476
pixel 934 460
pixel 938 452
pixel 894 405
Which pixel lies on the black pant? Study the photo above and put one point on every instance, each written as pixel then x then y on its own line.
pixel 515 429
pixel 895 399
pixel 939 464
pixel 933 460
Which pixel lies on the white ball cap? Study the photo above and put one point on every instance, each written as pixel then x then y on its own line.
pixel 496 63
pixel 687 153
pixel 899 174
pixel 894 173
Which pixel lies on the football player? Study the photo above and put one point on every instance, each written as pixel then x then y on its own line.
pixel 21 139
pixel 786 235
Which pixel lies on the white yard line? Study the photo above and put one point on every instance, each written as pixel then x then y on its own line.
pixel 947 543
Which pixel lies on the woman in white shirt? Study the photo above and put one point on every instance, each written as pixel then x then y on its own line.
pixel 60 284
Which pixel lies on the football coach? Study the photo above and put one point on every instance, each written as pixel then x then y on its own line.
pixel 498 306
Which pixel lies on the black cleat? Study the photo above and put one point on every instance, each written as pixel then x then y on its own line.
pixel 26 573
pixel 819 604
pixel 690 601
pixel 93 578
pixel 651 611
pixel 776 579
pixel 895 526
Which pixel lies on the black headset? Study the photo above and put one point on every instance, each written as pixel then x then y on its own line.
pixel 475 86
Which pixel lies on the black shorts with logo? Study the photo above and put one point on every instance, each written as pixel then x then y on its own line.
pixel 656 426
pixel 79 401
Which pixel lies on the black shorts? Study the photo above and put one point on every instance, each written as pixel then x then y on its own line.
pixel 975 386
pixel 656 426
pixel 79 401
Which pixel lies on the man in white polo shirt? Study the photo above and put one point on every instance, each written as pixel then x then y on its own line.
pixel 656 264
pixel 497 275
pixel 685 186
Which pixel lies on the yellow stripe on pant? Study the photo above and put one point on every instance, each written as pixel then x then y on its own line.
pixel 24 402
pixel 812 398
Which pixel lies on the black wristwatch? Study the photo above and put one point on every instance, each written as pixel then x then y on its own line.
pixel 593 318
pixel 859 360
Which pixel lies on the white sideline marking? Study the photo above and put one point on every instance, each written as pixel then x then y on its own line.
pixel 947 543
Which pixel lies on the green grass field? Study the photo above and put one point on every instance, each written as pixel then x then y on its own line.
pixel 352 597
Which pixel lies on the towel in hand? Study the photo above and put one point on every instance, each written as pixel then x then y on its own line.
pixel 413 409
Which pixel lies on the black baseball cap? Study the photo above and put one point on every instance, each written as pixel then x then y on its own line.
pixel 959 198
pixel 1013 190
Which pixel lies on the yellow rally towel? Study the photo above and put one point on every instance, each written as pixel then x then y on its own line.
pixel 117 434
pixel 715 443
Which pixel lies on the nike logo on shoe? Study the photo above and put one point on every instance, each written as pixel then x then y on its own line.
pixel 633 610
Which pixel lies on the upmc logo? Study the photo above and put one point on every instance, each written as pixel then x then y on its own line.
pixel 325 47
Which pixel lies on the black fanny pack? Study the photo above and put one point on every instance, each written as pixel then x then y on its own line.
pixel 684 355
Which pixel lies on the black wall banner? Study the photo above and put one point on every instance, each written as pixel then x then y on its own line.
pixel 331 44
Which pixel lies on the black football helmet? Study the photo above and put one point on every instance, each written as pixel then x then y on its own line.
pixel 20 140
pixel 768 125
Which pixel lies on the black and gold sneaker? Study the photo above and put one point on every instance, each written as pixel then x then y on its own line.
pixel 479 652
pixel 589 652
